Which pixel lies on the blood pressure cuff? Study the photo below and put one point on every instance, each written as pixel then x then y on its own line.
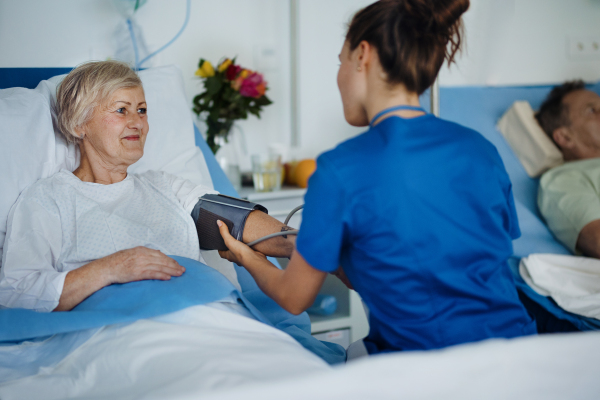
pixel 233 212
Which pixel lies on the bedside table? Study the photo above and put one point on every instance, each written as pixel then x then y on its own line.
pixel 279 203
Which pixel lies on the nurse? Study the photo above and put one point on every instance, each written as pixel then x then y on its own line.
pixel 416 213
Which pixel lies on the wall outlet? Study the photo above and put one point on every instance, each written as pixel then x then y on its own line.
pixel 583 47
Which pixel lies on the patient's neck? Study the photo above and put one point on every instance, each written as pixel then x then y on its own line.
pixel 93 168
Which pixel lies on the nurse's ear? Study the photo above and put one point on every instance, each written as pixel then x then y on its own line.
pixel 362 56
pixel 366 58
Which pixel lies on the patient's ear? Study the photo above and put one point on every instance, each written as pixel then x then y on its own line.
pixel 80 132
pixel 563 138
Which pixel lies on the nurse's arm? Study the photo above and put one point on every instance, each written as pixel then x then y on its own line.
pixel 294 288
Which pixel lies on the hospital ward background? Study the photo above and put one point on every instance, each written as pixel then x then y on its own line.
pixel 142 346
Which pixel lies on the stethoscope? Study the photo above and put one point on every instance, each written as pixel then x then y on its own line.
pixel 392 109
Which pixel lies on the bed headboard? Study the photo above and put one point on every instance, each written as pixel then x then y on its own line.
pixel 27 77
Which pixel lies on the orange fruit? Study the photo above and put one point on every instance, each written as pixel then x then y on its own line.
pixel 303 171
pixel 289 172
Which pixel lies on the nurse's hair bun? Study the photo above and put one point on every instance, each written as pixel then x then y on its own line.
pixel 435 17
pixel 413 38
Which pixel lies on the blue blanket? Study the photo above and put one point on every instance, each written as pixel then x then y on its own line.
pixel 125 303
pixel 122 303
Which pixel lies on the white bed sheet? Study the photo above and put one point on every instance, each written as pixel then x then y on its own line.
pixel 545 367
pixel 196 351
pixel 206 352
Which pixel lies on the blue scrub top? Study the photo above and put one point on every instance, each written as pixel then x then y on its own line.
pixel 420 214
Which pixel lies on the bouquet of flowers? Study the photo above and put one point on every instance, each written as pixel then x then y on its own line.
pixel 230 93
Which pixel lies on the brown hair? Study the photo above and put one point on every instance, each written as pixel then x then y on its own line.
pixel 85 88
pixel 553 114
pixel 412 37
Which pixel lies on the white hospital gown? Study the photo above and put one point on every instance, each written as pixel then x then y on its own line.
pixel 60 223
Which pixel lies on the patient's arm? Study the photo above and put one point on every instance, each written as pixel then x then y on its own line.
pixel 139 263
pixel 259 225
pixel 294 288
pixel 588 241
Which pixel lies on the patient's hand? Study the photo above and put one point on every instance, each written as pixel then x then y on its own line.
pixel 124 266
pixel 141 263
pixel 238 252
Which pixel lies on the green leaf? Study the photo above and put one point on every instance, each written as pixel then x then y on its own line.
pixel 213 85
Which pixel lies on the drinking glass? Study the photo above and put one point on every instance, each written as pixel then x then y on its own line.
pixel 266 172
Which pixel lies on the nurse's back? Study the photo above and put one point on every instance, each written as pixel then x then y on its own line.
pixel 427 221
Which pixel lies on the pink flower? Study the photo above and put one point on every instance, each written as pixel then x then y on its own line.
pixel 253 86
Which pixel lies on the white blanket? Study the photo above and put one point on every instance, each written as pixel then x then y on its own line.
pixel 205 353
pixel 573 282
pixel 548 367
pixel 199 350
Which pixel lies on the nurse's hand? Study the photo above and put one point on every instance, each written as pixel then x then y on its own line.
pixel 141 263
pixel 238 252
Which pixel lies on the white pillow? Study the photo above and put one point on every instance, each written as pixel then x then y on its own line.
pixel 31 148
pixel 529 142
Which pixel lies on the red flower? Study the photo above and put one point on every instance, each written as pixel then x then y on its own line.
pixel 253 86
pixel 232 72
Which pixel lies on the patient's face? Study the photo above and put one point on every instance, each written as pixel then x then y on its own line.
pixel 584 113
pixel 117 131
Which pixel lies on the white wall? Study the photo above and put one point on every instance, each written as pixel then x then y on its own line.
pixel 64 33
pixel 508 42
pixel 321 36
pixel 524 42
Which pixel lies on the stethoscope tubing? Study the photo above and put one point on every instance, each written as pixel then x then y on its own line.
pixel 392 109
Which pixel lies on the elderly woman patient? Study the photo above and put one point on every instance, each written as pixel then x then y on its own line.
pixel 72 234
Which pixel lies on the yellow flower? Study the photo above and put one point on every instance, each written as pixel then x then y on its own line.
pixel 206 70
pixel 224 65
pixel 244 74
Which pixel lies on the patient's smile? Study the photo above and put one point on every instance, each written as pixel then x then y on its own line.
pixel 117 131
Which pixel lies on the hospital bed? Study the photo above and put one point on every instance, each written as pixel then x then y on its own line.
pixel 548 367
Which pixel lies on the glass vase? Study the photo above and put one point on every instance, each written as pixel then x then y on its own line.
pixel 230 151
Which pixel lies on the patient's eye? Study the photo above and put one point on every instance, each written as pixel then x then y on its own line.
pixel 593 109
pixel 142 110
pixel 121 110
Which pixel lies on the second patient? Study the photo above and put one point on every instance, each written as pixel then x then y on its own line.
pixel 569 195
